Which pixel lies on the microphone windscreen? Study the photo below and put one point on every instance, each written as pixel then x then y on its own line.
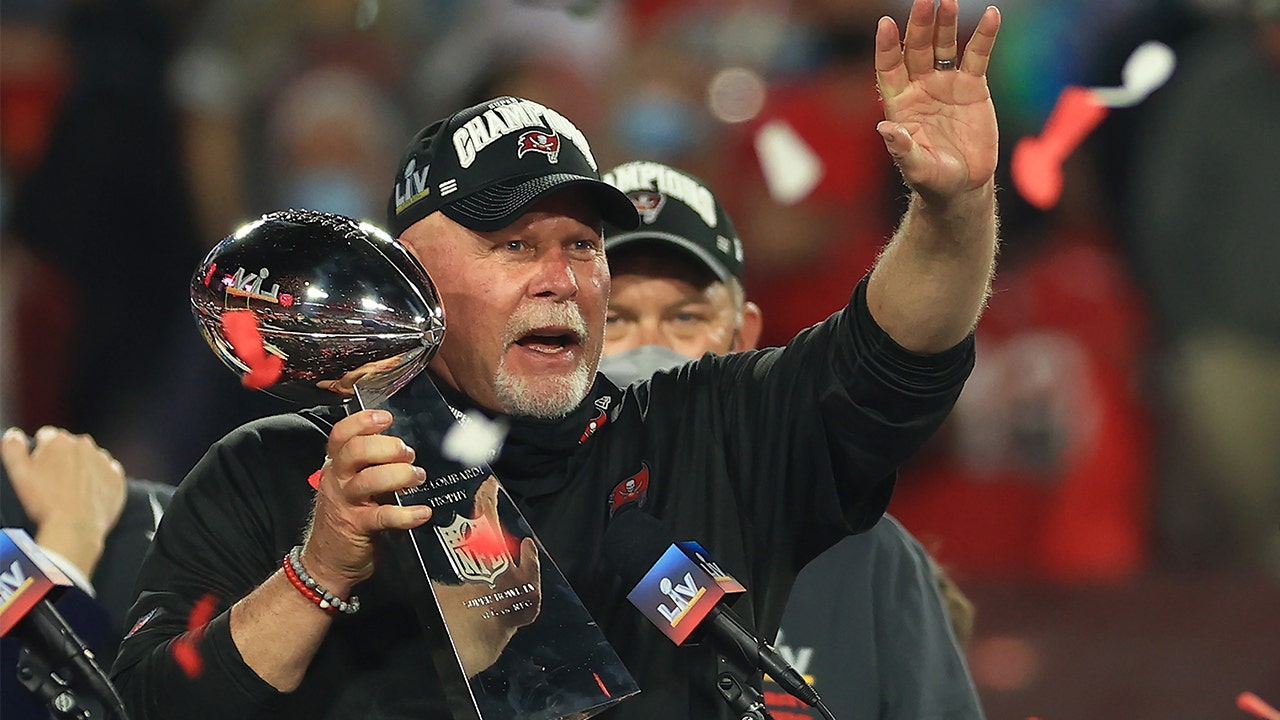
pixel 634 542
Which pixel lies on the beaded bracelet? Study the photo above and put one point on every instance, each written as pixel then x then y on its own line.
pixel 312 590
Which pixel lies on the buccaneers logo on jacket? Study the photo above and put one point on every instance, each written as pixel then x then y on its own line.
pixel 597 422
pixel 632 490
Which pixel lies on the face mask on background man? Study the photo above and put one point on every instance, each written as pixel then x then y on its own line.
pixel 637 364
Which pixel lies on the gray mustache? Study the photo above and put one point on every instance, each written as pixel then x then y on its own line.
pixel 531 317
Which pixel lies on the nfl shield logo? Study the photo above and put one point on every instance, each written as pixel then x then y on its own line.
pixel 475 549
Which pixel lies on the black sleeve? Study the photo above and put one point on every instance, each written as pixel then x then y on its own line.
pixel 819 427
pixel 224 533
pixel 116 575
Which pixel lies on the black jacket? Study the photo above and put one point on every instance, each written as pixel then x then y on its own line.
pixel 766 457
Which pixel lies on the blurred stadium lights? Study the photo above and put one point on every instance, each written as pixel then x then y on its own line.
pixel 736 95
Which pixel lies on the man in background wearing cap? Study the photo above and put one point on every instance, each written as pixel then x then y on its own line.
pixel 767 458
pixel 867 615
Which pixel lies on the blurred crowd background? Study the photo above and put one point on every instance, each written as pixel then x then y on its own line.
pixel 1108 488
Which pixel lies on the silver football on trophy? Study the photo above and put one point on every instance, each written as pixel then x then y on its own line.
pixel 344 307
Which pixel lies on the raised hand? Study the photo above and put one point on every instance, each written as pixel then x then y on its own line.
pixel 940 124
pixel 71 489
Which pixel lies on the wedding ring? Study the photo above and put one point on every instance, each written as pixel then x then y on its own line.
pixel 944 64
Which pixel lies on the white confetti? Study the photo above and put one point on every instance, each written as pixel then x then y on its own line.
pixel 474 440
pixel 1148 67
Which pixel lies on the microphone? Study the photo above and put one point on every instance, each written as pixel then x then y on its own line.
pixel 29 580
pixel 684 593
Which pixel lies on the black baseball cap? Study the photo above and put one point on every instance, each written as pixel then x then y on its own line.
pixel 485 165
pixel 678 209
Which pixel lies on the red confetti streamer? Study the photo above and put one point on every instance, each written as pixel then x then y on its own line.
pixel 489 541
pixel 245 338
pixel 314 480
pixel 1036 165
pixel 600 682
pixel 1255 705
pixel 185 648
pixel 187 657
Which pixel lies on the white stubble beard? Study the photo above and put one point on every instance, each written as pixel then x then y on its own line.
pixel 548 398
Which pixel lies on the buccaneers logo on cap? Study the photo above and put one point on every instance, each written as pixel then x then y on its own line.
pixel 540 141
pixel 648 204
pixel 632 490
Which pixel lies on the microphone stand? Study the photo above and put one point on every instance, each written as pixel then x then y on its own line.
pixel 746 701
pixel 754 650
pixel 49 688
pixel 57 695
pixel 55 663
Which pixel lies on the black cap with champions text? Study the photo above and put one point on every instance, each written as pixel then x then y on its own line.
pixel 484 166
pixel 678 209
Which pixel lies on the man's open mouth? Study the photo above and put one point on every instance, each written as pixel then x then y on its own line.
pixel 549 340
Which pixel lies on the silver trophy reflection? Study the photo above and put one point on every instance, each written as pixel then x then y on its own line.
pixel 340 313
pixel 342 304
